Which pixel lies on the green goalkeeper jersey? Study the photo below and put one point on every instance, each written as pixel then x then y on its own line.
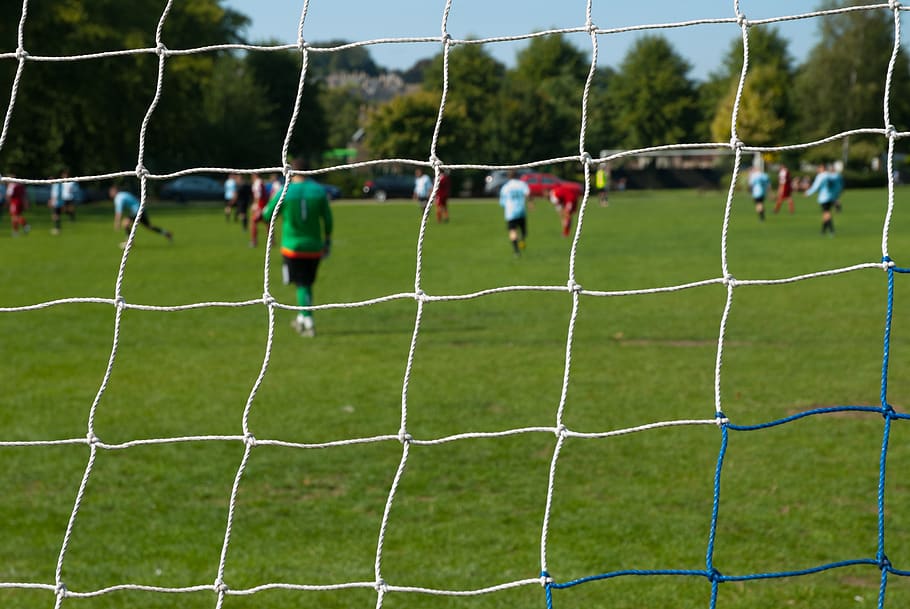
pixel 307 217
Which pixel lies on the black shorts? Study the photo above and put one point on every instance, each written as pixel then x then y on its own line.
pixel 758 200
pixel 143 220
pixel 518 223
pixel 299 271
pixel 826 206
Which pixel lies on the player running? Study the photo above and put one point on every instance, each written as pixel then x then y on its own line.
pixel 513 197
pixel 565 198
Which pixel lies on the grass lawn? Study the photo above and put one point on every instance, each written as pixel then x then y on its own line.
pixel 468 513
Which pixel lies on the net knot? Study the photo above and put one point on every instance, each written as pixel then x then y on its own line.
pixel 735 143
pixel 730 280
pixel 887 263
pixel 250 440
pixel 883 562
pixel 586 158
pixel 267 299
pixel 220 587
pixel 435 161
pixel 60 590
pixel 421 296
pixel 715 576
pixel 404 437
pixel 161 50
pixel 573 286
pixel 302 44
pixel 721 418
pixel 381 586
pixel 92 439
pixel 545 579
pixel 141 171
pixel 561 431
pixel 741 20
pixel 21 54
pixel 894 5
pixel 120 302
pixel 890 132
pixel 446 37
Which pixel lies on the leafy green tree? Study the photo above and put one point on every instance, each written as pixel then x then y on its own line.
pixel 651 96
pixel 276 75
pixel 842 83
pixel 766 91
pixel 403 127
pixel 539 107
pixel 474 82
pixel 356 59
pixel 87 114
pixel 344 105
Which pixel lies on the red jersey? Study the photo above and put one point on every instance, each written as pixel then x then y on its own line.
pixel 784 187
pixel 566 195
pixel 15 194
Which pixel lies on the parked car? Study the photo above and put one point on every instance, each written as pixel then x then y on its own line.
pixel 496 178
pixel 192 188
pixel 541 184
pixel 389 186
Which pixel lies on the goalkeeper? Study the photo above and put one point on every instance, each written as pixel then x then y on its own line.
pixel 305 239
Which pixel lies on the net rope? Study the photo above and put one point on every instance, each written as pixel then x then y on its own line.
pixel 586 161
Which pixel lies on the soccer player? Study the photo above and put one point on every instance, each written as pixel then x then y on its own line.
pixel 17 197
pixel 243 200
pixel 565 198
pixel 784 188
pixel 759 183
pixel 126 210
pixel 306 238
pixel 55 203
pixel 261 193
pixel 837 183
pixel 230 196
pixel 69 190
pixel 513 198
pixel 824 185
pixel 602 183
pixel 423 185
pixel 442 197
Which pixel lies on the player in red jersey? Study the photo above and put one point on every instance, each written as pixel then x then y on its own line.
pixel 17 198
pixel 565 198
pixel 784 188
pixel 442 197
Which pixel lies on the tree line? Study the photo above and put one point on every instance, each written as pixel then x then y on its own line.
pixel 226 108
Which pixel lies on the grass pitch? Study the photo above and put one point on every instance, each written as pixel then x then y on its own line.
pixel 468 514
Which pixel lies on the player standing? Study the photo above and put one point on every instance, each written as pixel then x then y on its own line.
pixel 55 202
pixel 423 185
pixel 17 198
pixel 759 183
pixel 69 190
pixel 784 188
pixel 126 210
pixel 826 189
pixel 230 196
pixel 565 198
pixel 602 183
pixel 305 239
pixel 442 197
pixel 261 190
pixel 513 198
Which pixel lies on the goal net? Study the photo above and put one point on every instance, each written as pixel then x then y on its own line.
pixel 554 579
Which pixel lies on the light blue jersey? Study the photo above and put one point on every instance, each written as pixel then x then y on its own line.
pixel 230 189
pixel 513 197
pixel 759 183
pixel 126 204
pixel 837 182
pixel 825 186
pixel 56 198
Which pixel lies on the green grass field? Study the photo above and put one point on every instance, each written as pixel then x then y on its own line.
pixel 468 513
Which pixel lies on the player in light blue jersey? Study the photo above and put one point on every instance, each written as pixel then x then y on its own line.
pixel 837 183
pixel 55 202
pixel 826 186
pixel 126 209
pixel 513 198
pixel 759 183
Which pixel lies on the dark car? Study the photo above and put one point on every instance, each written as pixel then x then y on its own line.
pixel 541 184
pixel 192 188
pixel 390 186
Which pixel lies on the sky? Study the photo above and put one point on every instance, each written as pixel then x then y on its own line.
pixel 702 45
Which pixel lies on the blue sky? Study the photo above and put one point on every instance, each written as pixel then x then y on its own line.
pixel 701 45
